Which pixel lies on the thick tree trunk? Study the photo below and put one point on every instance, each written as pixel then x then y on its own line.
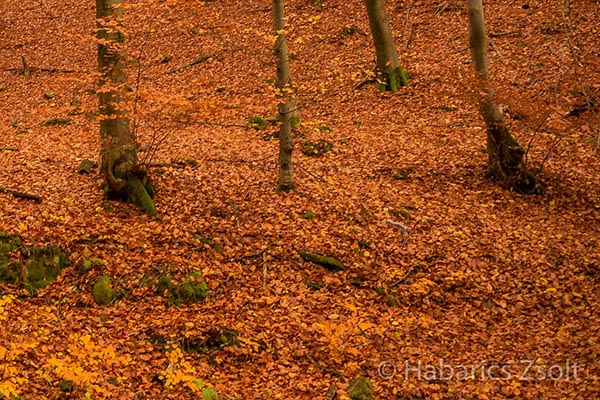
pixel 288 104
pixel 505 156
pixel 123 175
pixel 391 75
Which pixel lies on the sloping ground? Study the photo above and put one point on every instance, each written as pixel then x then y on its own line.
pixel 485 281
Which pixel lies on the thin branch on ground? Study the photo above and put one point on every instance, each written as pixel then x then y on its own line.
pixel 369 78
pixel 26 69
pixel 316 176
pixel 191 63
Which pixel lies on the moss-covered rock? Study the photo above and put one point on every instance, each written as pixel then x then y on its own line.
pixel 103 293
pixel 65 386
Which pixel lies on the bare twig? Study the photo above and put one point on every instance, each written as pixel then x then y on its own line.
pixel 403 278
pixel 136 98
pixel 369 77
pixel 319 177
pixel 533 136
pixel 455 47
pixel 498 34
pixel 440 9
pixel 547 156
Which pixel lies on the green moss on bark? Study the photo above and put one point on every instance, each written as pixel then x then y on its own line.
pixel 138 195
pixel 393 80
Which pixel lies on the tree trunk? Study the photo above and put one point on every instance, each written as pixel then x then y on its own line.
pixel 391 76
pixel 124 178
pixel 505 156
pixel 287 105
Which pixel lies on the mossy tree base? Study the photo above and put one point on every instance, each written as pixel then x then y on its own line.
pixel 505 155
pixel 138 194
pixel 392 80
pixel 125 180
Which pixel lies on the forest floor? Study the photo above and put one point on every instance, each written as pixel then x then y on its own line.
pixel 492 294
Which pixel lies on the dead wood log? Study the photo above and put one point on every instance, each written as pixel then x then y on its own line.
pixel 20 194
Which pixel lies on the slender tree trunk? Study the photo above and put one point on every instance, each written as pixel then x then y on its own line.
pixel 505 156
pixel 288 104
pixel 391 75
pixel 124 178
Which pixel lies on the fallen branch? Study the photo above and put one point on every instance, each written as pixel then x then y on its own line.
pixel 329 263
pixel 498 34
pixel 369 78
pixel 191 63
pixel 397 225
pixel 26 69
pixel 218 124
pixel 29 70
pixel 22 195
pixel 316 176
pixel 328 370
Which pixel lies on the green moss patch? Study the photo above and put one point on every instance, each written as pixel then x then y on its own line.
pixel 361 389
pixel 329 263
pixel 317 149
pixel 191 290
pixel 30 267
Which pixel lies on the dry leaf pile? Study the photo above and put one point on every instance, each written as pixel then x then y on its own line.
pixel 478 277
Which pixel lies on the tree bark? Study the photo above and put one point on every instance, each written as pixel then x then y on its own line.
pixel 124 177
pixel 391 76
pixel 287 105
pixel 505 156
